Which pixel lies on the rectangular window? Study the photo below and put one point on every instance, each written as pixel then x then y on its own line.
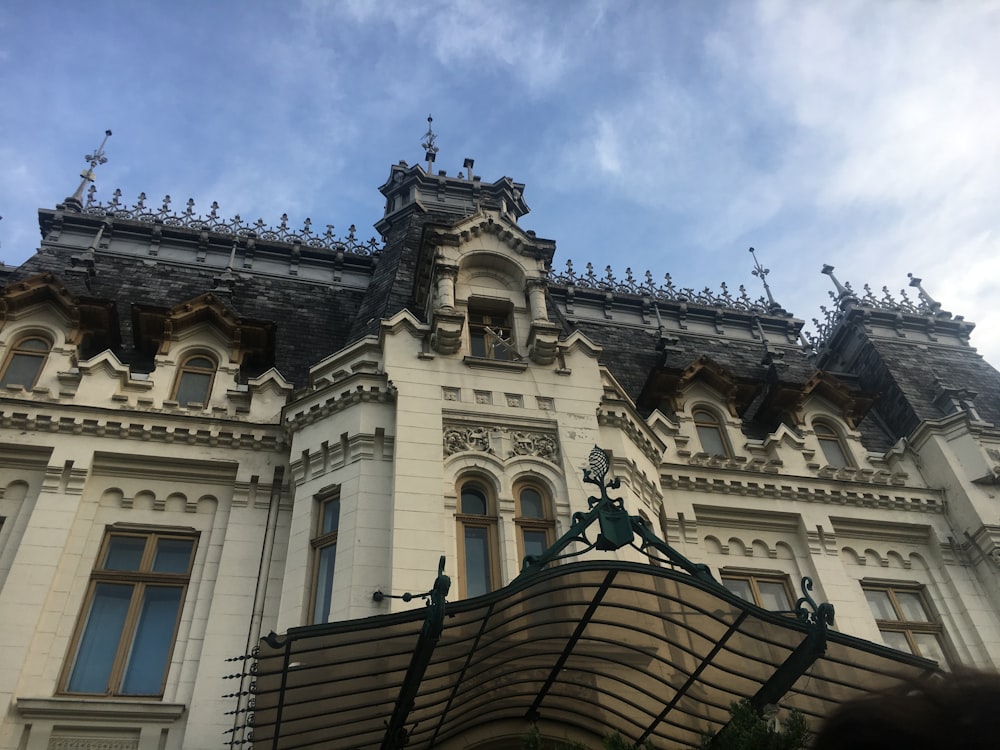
pixel 490 335
pixel 770 591
pixel 126 633
pixel 904 618
pixel 324 544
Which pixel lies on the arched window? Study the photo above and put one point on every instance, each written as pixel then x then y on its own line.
pixel 710 434
pixel 832 445
pixel 25 362
pixel 535 527
pixel 477 540
pixel 194 380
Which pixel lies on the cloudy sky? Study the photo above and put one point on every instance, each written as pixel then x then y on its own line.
pixel 667 136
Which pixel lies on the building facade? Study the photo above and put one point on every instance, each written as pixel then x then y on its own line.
pixel 211 430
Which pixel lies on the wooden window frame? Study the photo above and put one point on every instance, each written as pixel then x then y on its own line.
pixel 18 350
pixel 140 580
pixel 715 423
pixel 754 578
pixel 833 435
pixel 320 541
pixel 908 628
pixel 186 368
pixel 488 522
pixel 546 523
pixel 503 325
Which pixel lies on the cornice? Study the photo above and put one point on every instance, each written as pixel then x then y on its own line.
pixel 160 427
pixel 861 495
pixel 101 709
pixel 379 391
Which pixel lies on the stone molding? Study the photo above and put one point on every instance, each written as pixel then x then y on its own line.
pixel 99 709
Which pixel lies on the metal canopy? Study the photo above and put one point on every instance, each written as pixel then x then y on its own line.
pixel 602 646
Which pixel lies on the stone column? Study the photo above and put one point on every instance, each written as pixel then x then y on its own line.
pixel 446 276
pixel 535 290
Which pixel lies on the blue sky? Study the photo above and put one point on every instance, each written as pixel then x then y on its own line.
pixel 667 136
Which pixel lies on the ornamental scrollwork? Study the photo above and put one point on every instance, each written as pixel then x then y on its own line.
pixel 504 442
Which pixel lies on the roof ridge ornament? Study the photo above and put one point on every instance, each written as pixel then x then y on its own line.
pixel 933 306
pixel 761 272
pixel 430 150
pixel 95 159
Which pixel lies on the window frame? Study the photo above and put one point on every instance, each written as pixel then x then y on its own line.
pixel 319 542
pixel 504 326
pixel 141 580
pixel 544 523
pixel 185 368
pixel 908 628
pixel 487 521
pixel 715 422
pixel 19 350
pixel 754 578
pixel 832 437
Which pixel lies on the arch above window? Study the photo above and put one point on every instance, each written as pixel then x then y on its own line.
pixel 194 380
pixel 25 362
pixel 710 434
pixel 832 444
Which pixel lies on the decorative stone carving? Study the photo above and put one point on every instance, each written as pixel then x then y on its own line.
pixel 543 342
pixel 92 743
pixel 447 332
pixel 505 442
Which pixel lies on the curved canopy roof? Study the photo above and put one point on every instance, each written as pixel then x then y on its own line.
pixel 602 646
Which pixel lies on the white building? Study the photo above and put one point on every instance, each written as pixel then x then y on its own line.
pixel 198 417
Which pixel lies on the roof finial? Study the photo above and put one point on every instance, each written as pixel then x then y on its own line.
pixel 845 295
pixel 75 201
pixel 933 306
pixel 762 273
pixel 430 150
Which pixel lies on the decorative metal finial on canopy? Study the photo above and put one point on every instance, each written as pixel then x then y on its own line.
pixel 430 150
pixel 760 272
pixel 94 160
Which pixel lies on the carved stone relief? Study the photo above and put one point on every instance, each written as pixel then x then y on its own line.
pixel 504 442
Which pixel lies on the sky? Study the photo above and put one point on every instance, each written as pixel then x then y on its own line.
pixel 666 136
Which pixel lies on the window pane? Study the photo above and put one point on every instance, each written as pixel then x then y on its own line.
pixel 324 582
pixel 896 640
pixel 740 587
pixel 173 555
pixel 531 503
pixel 22 369
pixel 35 345
pixel 477 561
pixel 881 605
pixel 711 440
pixel 147 661
pixel 95 655
pixel 193 388
pixel 930 647
pixel 834 452
pixel 911 607
pixel 535 542
pixel 473 501
pixel 125 552
pixel 331 517
pixel 773 595
pixel 203 362
pixel 478 342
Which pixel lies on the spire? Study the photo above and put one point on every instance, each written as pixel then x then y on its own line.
pixel 932 305
pixel 845 295
pixel 75 201
pixel 761 272
pixel 430 150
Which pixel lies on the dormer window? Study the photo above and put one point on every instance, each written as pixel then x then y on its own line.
pixel 832 445
pixel 709 429
pixel 491 334
pixel 194 380
pixel 25 362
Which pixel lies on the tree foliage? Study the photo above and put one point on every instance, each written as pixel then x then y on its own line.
pixel 748 731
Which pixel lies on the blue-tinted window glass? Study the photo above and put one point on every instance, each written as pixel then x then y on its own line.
pixel 193 388
pixel 331 517
pixel 473 501
pixel 95 656
pixel 324 583
pixel 147 660
pixel 531 503
pixel 477 561
pixel 124 552
pixel 535 542
pixel 173 555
